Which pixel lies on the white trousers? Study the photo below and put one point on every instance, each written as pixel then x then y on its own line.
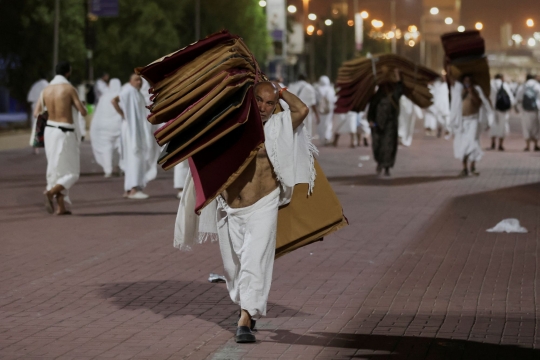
pixel 180 174
pixel 325 127
pixel 530 123
pixel 467 140
pixel 63 159
pixel 500 127
pixel 247 240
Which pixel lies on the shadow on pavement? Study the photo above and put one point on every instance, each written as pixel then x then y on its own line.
pixel 374 180
pixel 407 347
pixel 204 300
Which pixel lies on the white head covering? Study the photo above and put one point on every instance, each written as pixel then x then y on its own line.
pixel 324 81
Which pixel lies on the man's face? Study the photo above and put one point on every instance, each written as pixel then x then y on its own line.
pixel 266 101
pixel 106 78
pixel 136 81
pixel 467 82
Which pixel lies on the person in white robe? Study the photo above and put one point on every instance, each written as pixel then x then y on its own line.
pixel 345 124
pixel 138 158
pixel 469 110
pixel 409 112
pixel 155 149
pixel 326 97
pixel 62 137
pixel 528 97
pixel 105 130
pixel 180 174
pixel 306 92
pixel 363 130
pixel 247 234
pixel 33 98
pixel 500 128
pixel 101 86
pixel 436 116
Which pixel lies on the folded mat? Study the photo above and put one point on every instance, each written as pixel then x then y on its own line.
pixel 217 166
pixel 463 44
pixel 477 68
pixel 307 219
pixel 219 123
pixel 358 78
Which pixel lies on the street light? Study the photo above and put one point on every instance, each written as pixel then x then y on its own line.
pixel 364 14
pixel 412 28
pixel 461 28
pixel 312 17
pixel 310 29
pixel 262 3
pixel 377 24
pixel 411 43
pixel 350 23
pixel 448 21
pixel 531 42
pixel 291 9
pixel 434 11
pixel 530 22
pixel 328 22
pixel 478 26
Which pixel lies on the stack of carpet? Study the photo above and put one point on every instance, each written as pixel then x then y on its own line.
pixel 358 78
pixel 465 55
pixel 203 96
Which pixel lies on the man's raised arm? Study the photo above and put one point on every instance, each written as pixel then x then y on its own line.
pixel 299 110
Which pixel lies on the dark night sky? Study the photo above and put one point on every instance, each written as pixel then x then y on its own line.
pixel 492 13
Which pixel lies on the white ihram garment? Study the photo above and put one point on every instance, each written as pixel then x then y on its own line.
pixel 106 128
pixel 363 123
pixel 325 91
pixel 306 93
pixel 346 123
pixel 530 120
pixel 408 114
pixel 247 235
pixel 181 172
pixel 62 149
pixel 467 128
pixel 138 157
pixel 100 88
pixel 500 127
pixel 437 115
pixel 33 99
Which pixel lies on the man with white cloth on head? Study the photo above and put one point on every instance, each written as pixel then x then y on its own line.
pixel 326 97
pixel 244 217
pixel 409 112
pixel 138 158
pixel 62 137
pixel 33 99
pixel 469 109
pixel 306 92
pixel 345 124
pixel 106 129
pixel 503 101
pixel 528 96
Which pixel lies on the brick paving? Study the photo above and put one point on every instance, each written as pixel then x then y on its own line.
pixel 415 275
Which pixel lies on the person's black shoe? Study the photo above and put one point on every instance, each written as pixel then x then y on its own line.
pixel 252 327
pixel 536 148
pixel 501 148
pixel 366 142
pixel 244 335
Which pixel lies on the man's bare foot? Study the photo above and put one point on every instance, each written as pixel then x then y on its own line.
pixel 49 202
pixel 61 206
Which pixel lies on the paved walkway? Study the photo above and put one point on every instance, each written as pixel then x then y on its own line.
pixel 415 275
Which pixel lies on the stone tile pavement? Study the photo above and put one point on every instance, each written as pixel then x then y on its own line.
pixel 415 275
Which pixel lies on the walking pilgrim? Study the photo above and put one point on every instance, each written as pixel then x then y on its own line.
pixel 326 97
pixel 409 112
pixel 503 100
pixel 528 97
pixel 469 108
pixel 306 92
pixel 383 116
pixel 101 86
pixel 106 128
pixel 363 130
pixel 33 99
pixel 437 114
pixel 62 138
pixel 244 217
pixel 138 157
pixel 346 124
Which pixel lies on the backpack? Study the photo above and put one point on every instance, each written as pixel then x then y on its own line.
pixel 323 106
pixel 503 102
pixel 529 99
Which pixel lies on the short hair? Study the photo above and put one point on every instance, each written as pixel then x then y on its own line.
pixel 302 77
pixel 62 68
pixel 530 76
pixel 498 76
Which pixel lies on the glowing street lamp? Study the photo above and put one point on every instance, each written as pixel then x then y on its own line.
pixel 531 42
pixel 312 17
pixel 310 29
pixel 411 43
pixel 364 14
pixel 262 3
pixel 412 28
pixel 461 28
pixel 328 22
pixel 377 24
pixel 434 11
pixel 530 22
pixel 478 26
pixel 448 21
pixel 292 9
pixel 350 23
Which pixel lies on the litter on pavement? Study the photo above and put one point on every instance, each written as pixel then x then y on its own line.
pixel 508 226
